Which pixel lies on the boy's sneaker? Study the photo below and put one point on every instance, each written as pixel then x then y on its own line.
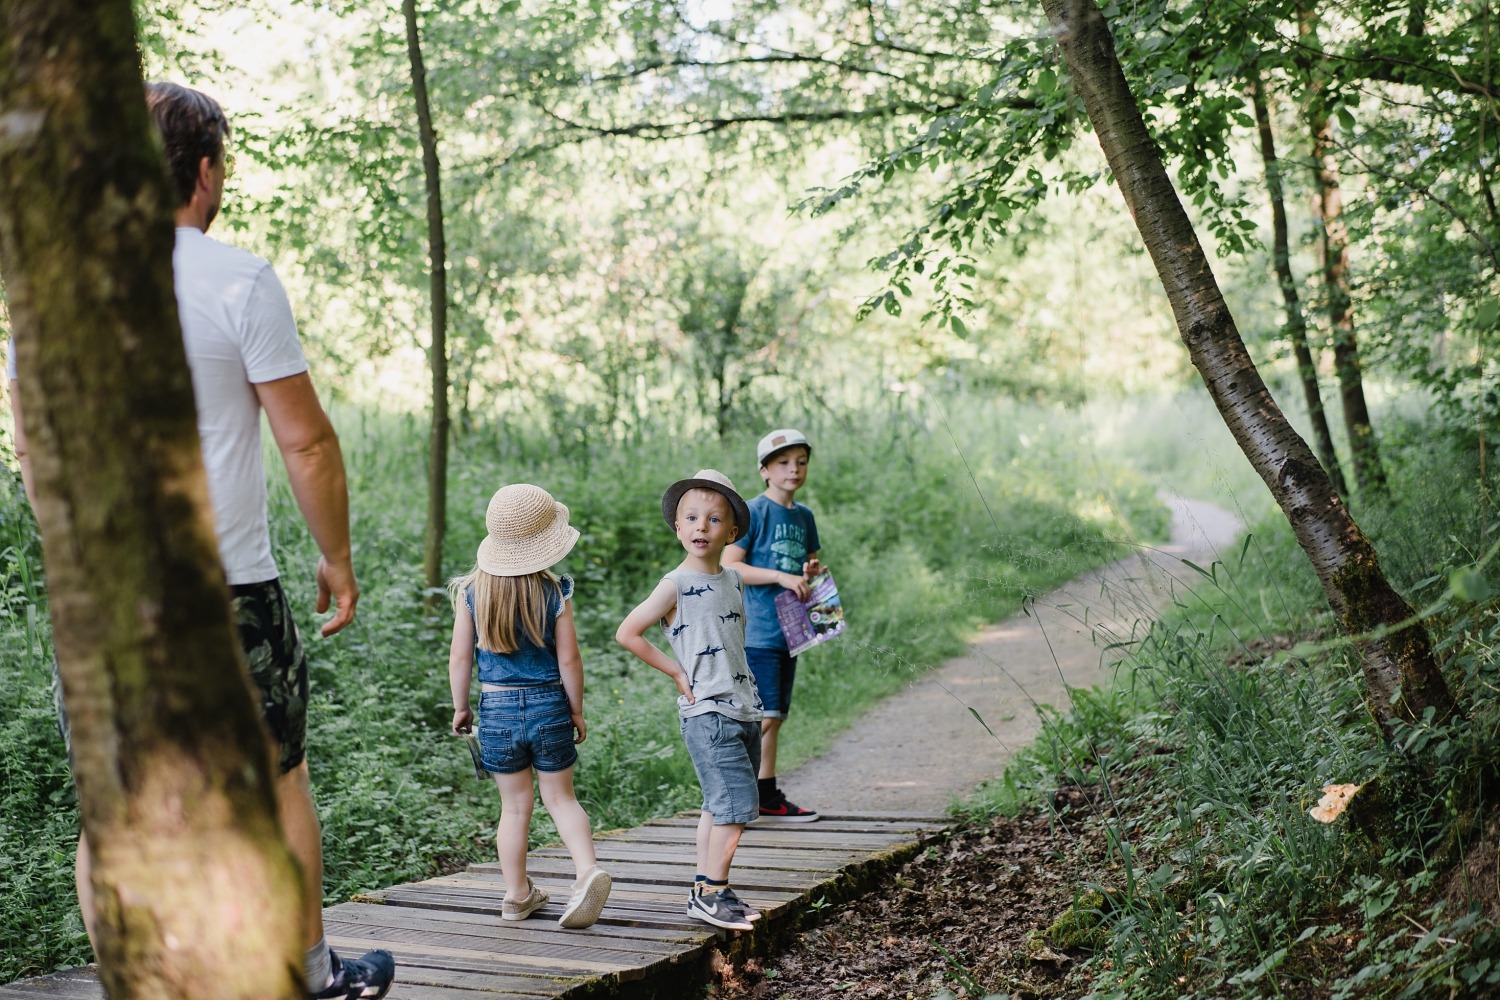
pixel 520 909
pixel 777 808
pixel 713 908
pixel 729 896
pixel 589 895
pixel 367 977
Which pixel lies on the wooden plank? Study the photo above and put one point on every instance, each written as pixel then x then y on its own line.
pixel 673 873
pixel 453 922
pixel 850 819
pixel 64 987
pixel 748 856
pixel 570 954
pixel 802 840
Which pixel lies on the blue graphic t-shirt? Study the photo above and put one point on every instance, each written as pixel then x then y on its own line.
pixel 780 538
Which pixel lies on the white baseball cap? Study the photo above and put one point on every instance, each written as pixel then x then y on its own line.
pixel 779 441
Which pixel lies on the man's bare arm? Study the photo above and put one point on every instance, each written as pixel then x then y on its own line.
pixel 315 466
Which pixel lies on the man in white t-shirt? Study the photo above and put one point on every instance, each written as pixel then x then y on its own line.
pixel 242 349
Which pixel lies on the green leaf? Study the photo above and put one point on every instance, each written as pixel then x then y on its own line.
pixel 1487 313
pixel 958 326
pixel 1469 584
pixel 1346 119
pixel 1046 81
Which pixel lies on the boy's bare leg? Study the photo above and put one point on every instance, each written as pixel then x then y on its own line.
pixel 512 832
pixel 700 840
pixel 304 838
pixel 568 816
pixel 770 730
pixel 717 847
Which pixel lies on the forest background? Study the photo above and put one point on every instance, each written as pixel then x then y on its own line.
pixel 668 227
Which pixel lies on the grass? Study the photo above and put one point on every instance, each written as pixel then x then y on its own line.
pixel 1238 708
pixel 933 521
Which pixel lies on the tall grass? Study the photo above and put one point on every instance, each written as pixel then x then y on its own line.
pixel 1238 708
pixel 933 519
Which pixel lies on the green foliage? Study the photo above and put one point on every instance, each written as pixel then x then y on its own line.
pixel 1236 710
pixel 930 533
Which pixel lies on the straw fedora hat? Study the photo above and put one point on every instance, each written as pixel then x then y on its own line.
pixel 528 531
pixel 706 479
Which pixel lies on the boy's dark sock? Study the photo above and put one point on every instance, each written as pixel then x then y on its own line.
pixel 709 885
pixel 766 786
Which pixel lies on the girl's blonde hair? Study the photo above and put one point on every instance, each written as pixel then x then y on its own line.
pixel 501 603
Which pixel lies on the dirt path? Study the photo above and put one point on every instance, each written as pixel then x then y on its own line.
pixel 921 749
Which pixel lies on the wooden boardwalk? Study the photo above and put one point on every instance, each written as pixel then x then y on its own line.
pixel 450 943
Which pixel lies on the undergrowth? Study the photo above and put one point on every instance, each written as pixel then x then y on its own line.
pixel 925 542
pixel 1230 716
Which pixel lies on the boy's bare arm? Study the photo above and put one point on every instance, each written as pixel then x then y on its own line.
pixel 758 576
pixel 632 634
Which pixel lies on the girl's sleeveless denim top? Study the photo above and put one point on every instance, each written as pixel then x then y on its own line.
pixel 531 664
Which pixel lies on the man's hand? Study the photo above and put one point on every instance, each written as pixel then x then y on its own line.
pixel 336 583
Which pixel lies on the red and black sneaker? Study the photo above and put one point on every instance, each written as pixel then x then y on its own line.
pixel 777 808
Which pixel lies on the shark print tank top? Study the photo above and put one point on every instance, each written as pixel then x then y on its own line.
pixel 707 633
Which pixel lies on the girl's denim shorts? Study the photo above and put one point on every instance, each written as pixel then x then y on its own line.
pixel 525 728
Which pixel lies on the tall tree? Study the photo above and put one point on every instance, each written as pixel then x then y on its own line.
pixel 1296 321
pixel 437 352
pixel 1333 243
pixel 172 766
pixel 1401 675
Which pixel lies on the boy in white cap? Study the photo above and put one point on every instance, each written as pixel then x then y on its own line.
pixel 777 551
pixel 700 604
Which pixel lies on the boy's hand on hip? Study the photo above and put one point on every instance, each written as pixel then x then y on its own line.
pixel 463 720
pixel 583 730
pixel 683 687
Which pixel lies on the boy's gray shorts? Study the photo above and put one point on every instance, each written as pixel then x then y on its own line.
pixel 726 755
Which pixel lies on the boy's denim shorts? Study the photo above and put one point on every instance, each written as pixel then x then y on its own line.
pixel 775 670
pixel 726 755
pixel 525 728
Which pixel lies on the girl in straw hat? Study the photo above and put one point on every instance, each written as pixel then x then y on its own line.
pixel 513 616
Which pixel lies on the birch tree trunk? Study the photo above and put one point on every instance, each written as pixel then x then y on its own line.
pixel 1400 673
pixel 1296 321
pixel 437 357
pixel 196 893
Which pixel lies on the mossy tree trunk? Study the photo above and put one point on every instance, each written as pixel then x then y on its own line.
pixel 1296 321
pixel 197 895
pixel 1401 675
pixel 437 244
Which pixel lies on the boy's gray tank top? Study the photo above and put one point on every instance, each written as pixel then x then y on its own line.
pixel 708 637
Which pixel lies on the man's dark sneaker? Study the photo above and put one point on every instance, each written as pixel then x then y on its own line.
pixel 367 977
pixel 713 908
pixel 777 808
pixel 729 896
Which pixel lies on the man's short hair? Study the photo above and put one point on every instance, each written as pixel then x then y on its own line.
pixel 192 126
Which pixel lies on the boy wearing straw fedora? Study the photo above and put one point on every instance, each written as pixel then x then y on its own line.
pixel 513 615
pixel 700 605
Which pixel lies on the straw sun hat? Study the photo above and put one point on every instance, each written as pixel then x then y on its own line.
pixel 528 531
pixel 706 479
